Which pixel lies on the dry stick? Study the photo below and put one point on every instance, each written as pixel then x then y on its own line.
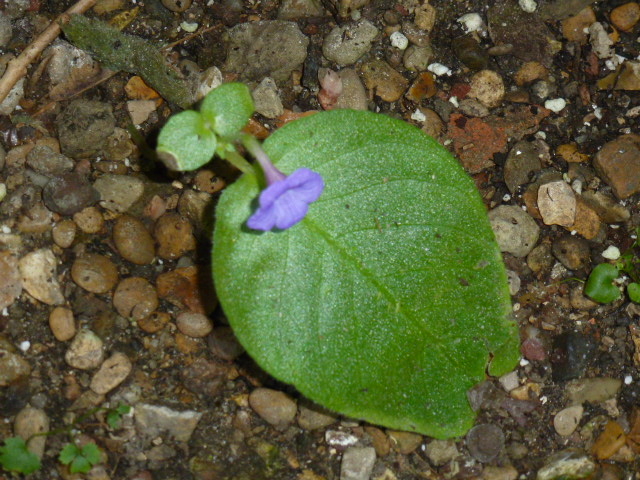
pixel 17 67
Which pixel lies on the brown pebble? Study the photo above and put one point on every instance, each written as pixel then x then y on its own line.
pixel 174 236
pixel 208 181
pixel 275 407
pixel 62 324
pixel 154 322
pixel 135 298
pixel 64 233
pixel 223 343
pixel 95 273
pixel 176 5
pixel 626 16
pixel 133 240
pixel 573 28
pixel 186 288
pixel 194 324
pixel 89 220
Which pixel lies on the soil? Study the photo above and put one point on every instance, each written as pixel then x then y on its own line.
pixel 568 341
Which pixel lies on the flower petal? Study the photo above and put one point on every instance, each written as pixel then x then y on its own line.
pixel 263 219
pixel 290 209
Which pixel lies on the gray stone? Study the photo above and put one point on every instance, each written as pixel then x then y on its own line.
pixel 68 194
pixel 314 418
pixel 10 279
pixel 567 420
pixel 440 452
pixel 5 29
pixel 152 420
pixel 485 442
pixel 28 422
pixel 9 104
pixel 84 127
pixel 557 203
pixel 118 192
pixel 353 94
pixel 112 373
pixel 345 45
pixel 272 48
pixel 266 99
pixel 295 9
pixel 38 272
pixel 357 463
pixel 515 230
pixel 12 365
pixel 86 351
pixel 275 407
pixel 523 161
pixel 569 463
pixel 594 390
pixel 417 58
pixel 44 160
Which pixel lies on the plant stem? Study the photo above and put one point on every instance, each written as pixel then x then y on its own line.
pixel 238 161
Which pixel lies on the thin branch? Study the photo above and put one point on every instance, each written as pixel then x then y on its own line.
pixel 17 67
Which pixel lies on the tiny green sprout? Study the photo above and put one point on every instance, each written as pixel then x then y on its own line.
pixel 600 285
pixel 80 460
pixel 16 457
pixel 115 415
pixel 633 289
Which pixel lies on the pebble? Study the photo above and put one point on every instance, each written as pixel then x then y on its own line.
pixel 64 233
pixel 573 252
pixel 441 452
pixel 353 94
pixel 487 86
pixel 588 223
pixel 86 351
pixel 69 193
pixel 10 279
pixel 509 381
pixel 607 208
pixel 176 5
pixel 416 35
pixel 540 258
pixel 572 352
pixel 12 100
pixel 152 420
pixel 112 373
pixel 89 220
pixel 425 16
pixel 205 377
pixel 555 105
pixel 314 417
pixel 629 78
pixel 5 30
pixel 62 324
pixel 208 182
pixel 133 241
pixel 345 45
pixel 522 162
pixel 469 52
pixel 618 164
pixel 195 325
pixel 516 232
pixel 609 441
pixel 154 322
pixel 578 299
pixel 417 58
pixel 357 463
pixel 135 298
pixel 557 203
pixel 276 408
pixel 530 72
pixel 12 365
pixel 626 16
pixel 383 80
pixel 533 350
pixel 28 422
pixel 182 286
pixel 404 442
pixel 48 162
pixel 174 236
pixel 272 48
pixel 567 420
pixel 379 440
pixel 223 344
pixel 118 192
pixel 38 272
pixel 569 463
pixel 492 472
pixel 95 273
pixel 266 99
pixel 196 208
pixel 575 27
pixel 399 40
pixel 593 390
pixel 295 9
pixel 471 22
pixel 84 127
pixel 485 442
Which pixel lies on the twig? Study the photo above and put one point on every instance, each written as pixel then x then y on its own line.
pixel 17 67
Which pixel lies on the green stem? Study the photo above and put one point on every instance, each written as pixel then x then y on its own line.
pixel 238 161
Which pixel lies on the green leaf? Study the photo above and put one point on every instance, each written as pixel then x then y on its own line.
pixel 68 453
pixel 81 460
pixel 386 302
pixel 115 415
pixel 633 289
pixel 228 107
pixel 16 457
pixel 92 453
pixel 600 285
pixel 185 142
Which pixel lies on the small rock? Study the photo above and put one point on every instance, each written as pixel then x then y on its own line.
pixel 48 162
pixel 573 252
pixel 154 322
pixel 151 420
pixel 205 377
pixel 487 86
pixel 569 463
pixel 379 440
pixel 383 80
pixel 425 17
pixel 133 241
pixel 95 273
pixel 473 108
pixel 28 422
pixel 572 352
pixel 416 35
pixel 567 420
pixel 119 192
pixel 176 5
pixel 86 351
pixel 62 324
pixel 64 233
pixel 522 162
pixel 37 220
pixel 195 325
pixel 182 287
pixel 573 28
pixel 601 43
pixel 404 442
pixel 196 208
pixel 629 78
pixel 140 110
pixel 295 9
pixel 609 441
pixel 540 259
pixel 626 16
pixel 112 373
pixel 353 94
pixel 266 99
pixel 515 230
pixel 417 58
pixel 10 279
pixel 618 164
pixel 492 472
pixel 5 30
pixel 579 301
pixel 315 417
pixel 357 463
pixel 485 442
pixel 275 407
pixel 345 45
pixel 509 381
pixel 608 209
pixel 69 193
pixel 469 51
pixel 174 236
pixel 530 72
pixel 224 344
pixel 557 204
pixel 587 223
pixel 441 452
pixel 135 298
pixel 38 271
pixel 12 100
pixel 12 365
pixel 84 126
pixel 89 220
pixel 593 390
pixel 207 182
pixel 533 350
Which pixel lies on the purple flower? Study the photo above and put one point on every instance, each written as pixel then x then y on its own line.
pixel 286 199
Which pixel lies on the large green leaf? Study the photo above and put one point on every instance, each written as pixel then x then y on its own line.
pixel 387 301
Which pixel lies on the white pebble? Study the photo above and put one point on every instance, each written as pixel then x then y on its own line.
pixel 555 105
pixel 528 6
pixel 611 253
pixel 628 379
pixel 189 27
pixel 399 40
pixel 439 69
pixel 471 21
pixel 24 346
pixel 418 116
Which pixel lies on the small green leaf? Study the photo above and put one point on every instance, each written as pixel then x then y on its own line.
pixel 115 415
pixel 228 107
pixel 185 142
pixel 92 453
pixel 389 298
pixel 633 289
pixel 600 285
pixel 80 460
pixel 16 457
pixel 68 453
